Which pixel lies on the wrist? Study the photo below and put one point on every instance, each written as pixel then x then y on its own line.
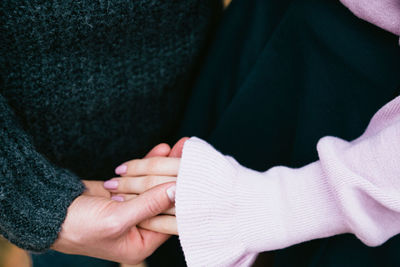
pixel 68 240
pixel 283 207
pixel 95 188
pixel 205 212
pixel 226 212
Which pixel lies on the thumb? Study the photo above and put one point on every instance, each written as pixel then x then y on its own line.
pixel 176 151
pixel 149 204
pixel 161 150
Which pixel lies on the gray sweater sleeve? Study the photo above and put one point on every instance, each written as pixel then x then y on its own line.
pixel 34 194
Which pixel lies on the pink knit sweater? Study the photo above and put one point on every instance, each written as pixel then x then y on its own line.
pixel 227 213
pixel 382 13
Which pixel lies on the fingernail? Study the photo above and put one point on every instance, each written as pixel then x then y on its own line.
pixel 111 184
pixel 117 198
pixel 171 193
pixel 121 169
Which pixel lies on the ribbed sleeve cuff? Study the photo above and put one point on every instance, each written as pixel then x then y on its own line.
pixel 227 213
pixel 36 225
pixel 49 223
pixel 205 209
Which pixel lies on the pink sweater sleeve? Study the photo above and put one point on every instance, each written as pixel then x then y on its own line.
pixel 383 13
pixel 227 213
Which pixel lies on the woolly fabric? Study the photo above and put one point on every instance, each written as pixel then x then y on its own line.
pixel 383 13
pixel 84 86
pixel 303 70
pixel 227 213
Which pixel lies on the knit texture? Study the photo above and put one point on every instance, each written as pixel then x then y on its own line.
pixel 84 86
pixel 227 213
pixel 383 13
pixel 34 194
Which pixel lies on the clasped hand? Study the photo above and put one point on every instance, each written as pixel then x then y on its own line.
pixel 126 218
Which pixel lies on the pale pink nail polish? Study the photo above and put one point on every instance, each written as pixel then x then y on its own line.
pixel 117 198
pixel 171 193
pixel 121 169
pixel 111 184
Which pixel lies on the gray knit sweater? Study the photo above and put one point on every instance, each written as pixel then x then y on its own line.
pixel 84 86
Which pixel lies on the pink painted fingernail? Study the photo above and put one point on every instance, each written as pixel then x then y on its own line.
pixel 117 198
pixel 171 193
pixel 121 169
pixel 111 184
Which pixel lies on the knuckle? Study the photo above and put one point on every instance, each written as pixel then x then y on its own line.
pixel 112 226
pixel 126 185
pixel 146 183
pixel 121 184
pixel 154 163
pixel 154 206
pixel 132 166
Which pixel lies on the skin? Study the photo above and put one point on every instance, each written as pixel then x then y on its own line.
pixel 107 229
pixel 100 227
pixel 145 174
pixel 96 188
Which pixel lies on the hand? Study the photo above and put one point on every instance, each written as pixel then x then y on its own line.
pixel 103 228
pixel 139 177
pixel 96 188
pixel 120 188
pixel 133 183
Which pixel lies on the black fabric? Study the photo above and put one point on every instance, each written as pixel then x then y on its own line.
pixel 283 74
pixel 56 259
pixel 94 83
pixel 84 86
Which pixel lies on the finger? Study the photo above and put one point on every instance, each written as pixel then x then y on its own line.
pixel 126 197
pixel 161 150
pixel 176 151
pixel 165 224
pixel 149 166
pixel 152 240
pixel 147 205
pixel 170 211
pixel 95 188
pixel 139 243
pixel 122 197
pixel 136 185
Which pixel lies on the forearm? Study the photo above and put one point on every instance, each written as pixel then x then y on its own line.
pixel 353 188
pixel 34 194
